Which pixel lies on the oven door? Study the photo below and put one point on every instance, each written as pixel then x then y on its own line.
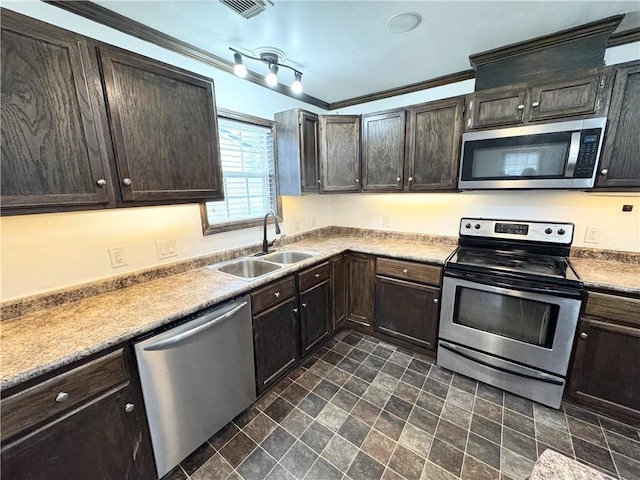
pixel 529 325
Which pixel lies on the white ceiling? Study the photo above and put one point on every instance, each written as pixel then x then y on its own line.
pixel 343 47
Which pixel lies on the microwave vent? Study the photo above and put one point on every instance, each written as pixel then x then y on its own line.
pixel 248 8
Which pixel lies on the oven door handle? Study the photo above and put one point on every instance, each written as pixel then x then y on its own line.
pixel 511 283
pixel 540 377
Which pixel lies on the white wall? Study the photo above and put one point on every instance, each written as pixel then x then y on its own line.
pixel 50 251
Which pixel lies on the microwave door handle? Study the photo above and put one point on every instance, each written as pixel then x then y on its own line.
pixel 574 149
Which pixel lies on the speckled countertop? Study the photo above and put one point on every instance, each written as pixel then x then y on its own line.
pixel 39 341
pixel 554 466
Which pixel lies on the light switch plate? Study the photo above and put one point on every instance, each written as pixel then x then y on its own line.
pixel 166 248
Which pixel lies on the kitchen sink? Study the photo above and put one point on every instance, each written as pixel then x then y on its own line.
pixel 289 256
pixel 246 268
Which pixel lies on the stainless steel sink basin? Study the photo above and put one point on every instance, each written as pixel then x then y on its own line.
pixel 289 256
pixel 246 267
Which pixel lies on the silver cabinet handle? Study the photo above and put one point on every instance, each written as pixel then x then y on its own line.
pixel 410 179
pixel 535 104
pixel 101 182
pixel 62 396
pixel 129 407
pixel 319 181
pixel 126 181
pixel 317 275
pixel 398 179
pixel 520 107
pixel 604 171
pixel 435 300
pixel 583 335
pixel 295 310
pixel 277 294
pixel 404 270
pixel 304 305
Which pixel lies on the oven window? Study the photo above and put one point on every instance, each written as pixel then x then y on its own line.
pixel 522 319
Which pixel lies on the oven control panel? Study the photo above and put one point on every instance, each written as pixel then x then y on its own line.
pixel 534 231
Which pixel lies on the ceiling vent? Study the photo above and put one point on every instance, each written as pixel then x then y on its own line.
pixel 248 8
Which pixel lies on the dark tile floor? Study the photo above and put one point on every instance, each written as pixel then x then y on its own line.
pixel 362 409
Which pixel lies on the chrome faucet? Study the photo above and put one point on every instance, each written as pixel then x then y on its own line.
pixel 265 243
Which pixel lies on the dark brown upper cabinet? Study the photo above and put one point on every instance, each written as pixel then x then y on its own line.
pixel 523 103
pixel 434 131
pixel 383 151
pixel 620 162
pixel 164 129
pixel 53 149
pixel 297 140
pixel 340 153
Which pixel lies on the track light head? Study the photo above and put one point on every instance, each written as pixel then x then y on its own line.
pixel 296 86
pixel 272 77
pixel 238 68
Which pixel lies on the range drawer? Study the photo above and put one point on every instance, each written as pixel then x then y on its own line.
pixel 61 393
pixel 409 271
pixel 272 294
pixel 314 276
pixel 612 307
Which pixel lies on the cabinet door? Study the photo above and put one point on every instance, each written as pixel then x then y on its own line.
pixel 164 130
pixel 309 151
pixel 497 107
pixel 274 338
pixel 606 367
pixel 339 291
pixel 383 151
pixel 314 316
pixel 53 151
pixel 620 164
pixel 340 153
pixel 435 131
pixel 360 288
pixel 574 97
pixel 99 440
pixel 407 310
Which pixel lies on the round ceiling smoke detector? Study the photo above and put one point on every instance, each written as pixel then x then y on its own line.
pixel 404 22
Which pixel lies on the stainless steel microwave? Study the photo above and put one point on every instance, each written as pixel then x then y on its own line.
pixel 552 155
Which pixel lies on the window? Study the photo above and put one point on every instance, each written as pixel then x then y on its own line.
pixel 521 164
pixel 248 170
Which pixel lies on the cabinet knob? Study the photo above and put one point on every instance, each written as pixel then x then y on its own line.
pixel 520 107
pixel 404 270
pixel 319 181
pixel 126 181
pixel 277 294
pixel 295 310
pixel 129 407
pixel 410 179
pixel 62 396
pixel 435 300
pixel 101 182
pixel 304 305
pixel 604 171
pixel 357 180
pixel 317 275
pixel 583 335
pixel 398 179
pixel 535 104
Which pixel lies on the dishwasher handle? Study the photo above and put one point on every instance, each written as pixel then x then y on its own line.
pixel 180 337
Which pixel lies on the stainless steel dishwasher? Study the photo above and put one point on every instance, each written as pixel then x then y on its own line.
pixel 195 377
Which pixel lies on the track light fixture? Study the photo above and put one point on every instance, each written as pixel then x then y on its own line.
pixel 271 59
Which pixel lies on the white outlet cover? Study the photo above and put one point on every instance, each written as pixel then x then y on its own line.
pixel 118 257
pixel 593 235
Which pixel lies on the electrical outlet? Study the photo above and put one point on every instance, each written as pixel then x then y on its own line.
pixel 386 221
pixel 593 235
pixel 117 257
pixel 166 248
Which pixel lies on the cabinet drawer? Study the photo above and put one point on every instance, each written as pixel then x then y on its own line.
pixel 272 294
pixel 47 399
pixel 612 307
pixel 409 271
pixel 312 277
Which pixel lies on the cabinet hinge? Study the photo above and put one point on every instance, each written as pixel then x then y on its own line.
pixel 602 82
pixel 597 103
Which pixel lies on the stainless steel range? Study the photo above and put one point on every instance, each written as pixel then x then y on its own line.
pixel 510 306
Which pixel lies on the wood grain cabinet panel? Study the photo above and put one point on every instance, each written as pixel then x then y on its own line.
pixel 435 132
pixel 315 313
pixel 561 99
pixel 495 107
pixel 383 151
pixel 338 291
pixel 360 288
pixel 53 151
pixel 340 153
pixel 164 129
pixel 620 162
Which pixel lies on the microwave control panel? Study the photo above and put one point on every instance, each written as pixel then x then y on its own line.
pixel 588 153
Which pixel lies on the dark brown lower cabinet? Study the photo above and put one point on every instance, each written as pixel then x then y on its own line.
pixel 360 289
pixel 406 310
pixel 338 291
pixel 315 313
pixel 98 440
pixel 606 363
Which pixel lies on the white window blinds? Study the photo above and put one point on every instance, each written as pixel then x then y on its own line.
pixel 248 171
